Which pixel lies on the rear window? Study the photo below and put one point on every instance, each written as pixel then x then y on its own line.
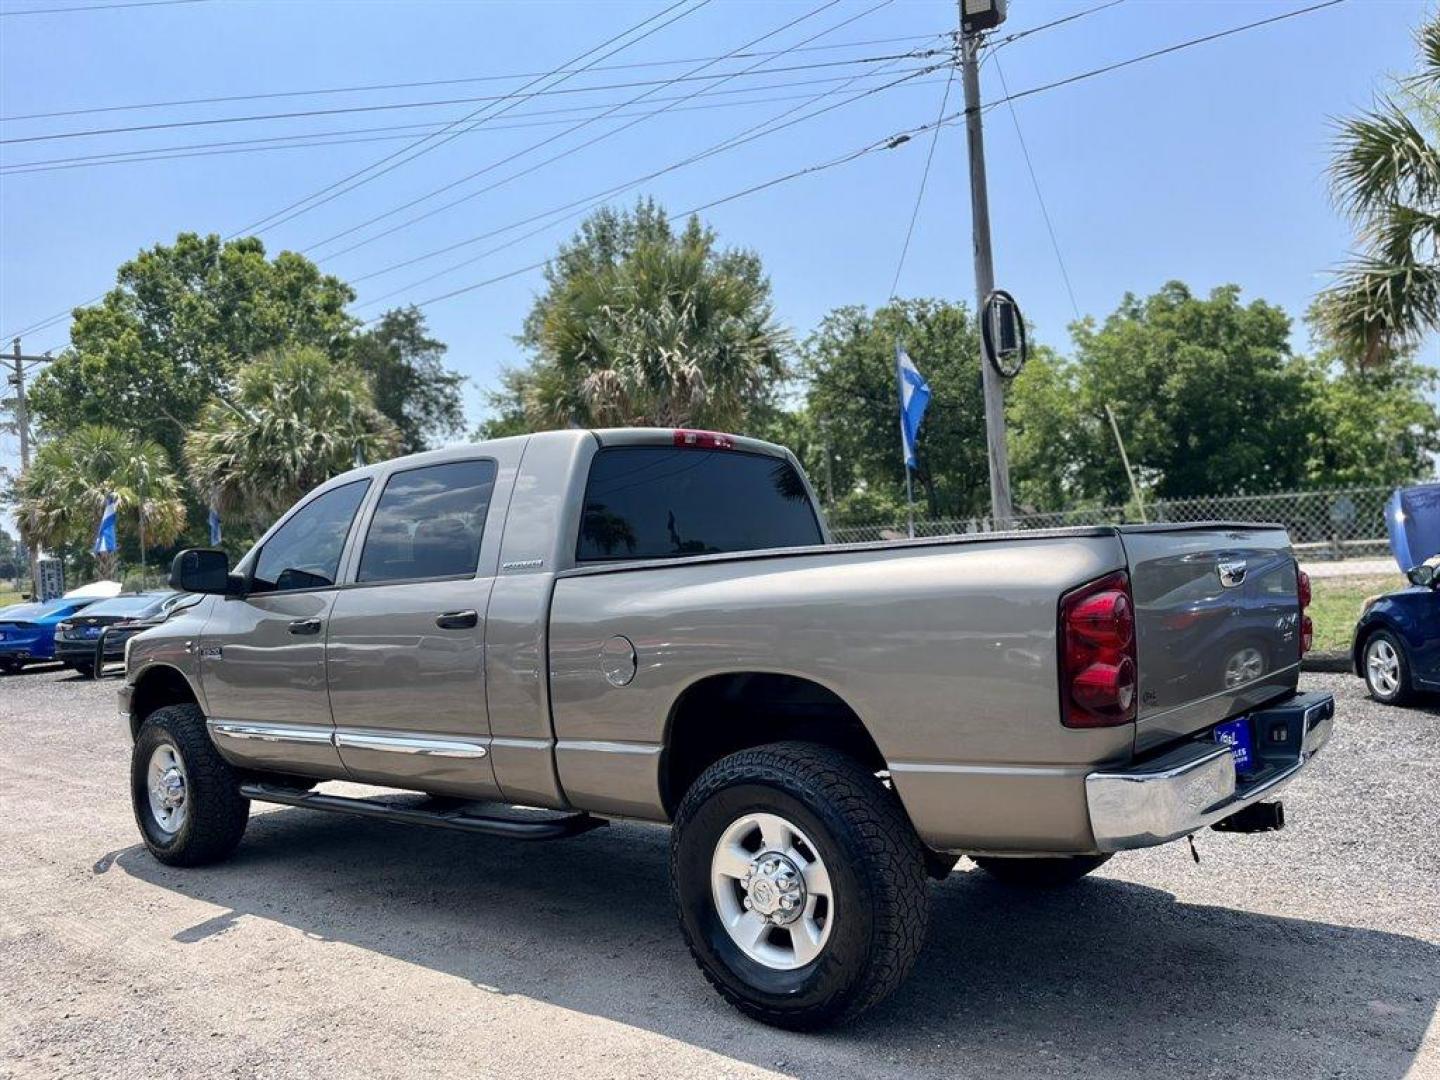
pixel 661 502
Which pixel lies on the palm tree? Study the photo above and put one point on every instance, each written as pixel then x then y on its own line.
pixel 293 419
pixel 1385 175
pixel 642 326
pixel 62 495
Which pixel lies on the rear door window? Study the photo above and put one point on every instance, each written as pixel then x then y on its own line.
pixel 305 552
pixel 429 523
pixel 657 502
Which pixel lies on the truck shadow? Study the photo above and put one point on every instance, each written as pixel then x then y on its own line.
pixel 1108 976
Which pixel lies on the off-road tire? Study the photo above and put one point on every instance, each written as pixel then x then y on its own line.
pixel 875 861
pixel 1405 691
pixel 1046 873
pixel 216 812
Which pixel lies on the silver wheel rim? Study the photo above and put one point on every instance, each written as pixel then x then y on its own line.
pixel 167 787
pixel 1244 666
pixel 772 891
pixel 1382 667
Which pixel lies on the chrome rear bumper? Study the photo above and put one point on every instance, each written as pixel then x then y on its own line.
pixel 1195 785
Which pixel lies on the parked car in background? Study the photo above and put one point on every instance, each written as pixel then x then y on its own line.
pixel 27 631
pixel 119 619
pixel 1397 640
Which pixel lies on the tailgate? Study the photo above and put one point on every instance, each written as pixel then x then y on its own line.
pixel 1217 623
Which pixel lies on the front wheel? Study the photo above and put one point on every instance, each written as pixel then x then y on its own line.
pixel 1387 669
pixel 800 883
pixel 9 667
pixel 1044 873
pixel 186 797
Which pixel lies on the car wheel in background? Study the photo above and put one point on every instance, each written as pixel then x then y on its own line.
pixel 1386 669
pixel 800 883
pixel 1043 873
pixel 186 797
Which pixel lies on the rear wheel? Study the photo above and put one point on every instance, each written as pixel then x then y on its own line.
pixel 86 670
pixel 186 797
pixel 1046 873
pixel 9 667
pixel 1387 669
pixel 800 884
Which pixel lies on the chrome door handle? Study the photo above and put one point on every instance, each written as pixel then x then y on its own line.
pixel 457 620
pixel 305 626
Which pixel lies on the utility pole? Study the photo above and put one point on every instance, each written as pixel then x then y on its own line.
pixel 1001 512
pixel 22 427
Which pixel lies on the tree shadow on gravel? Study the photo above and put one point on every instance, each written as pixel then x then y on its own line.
pixel 1105 977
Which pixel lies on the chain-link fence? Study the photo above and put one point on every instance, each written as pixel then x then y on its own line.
pixel 1342 524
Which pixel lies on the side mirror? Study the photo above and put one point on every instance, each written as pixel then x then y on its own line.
pixel 203 570
pixel 1422 575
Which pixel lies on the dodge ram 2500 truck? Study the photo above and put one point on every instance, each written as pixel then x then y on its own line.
pixel 533 635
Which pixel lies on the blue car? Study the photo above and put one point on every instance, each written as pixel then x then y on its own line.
pixel 1397 640
pixel 27 631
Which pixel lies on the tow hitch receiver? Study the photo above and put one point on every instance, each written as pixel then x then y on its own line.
pixel 1257 817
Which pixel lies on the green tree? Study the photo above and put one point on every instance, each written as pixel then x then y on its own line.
pixel 641 325
pixel 63 493
pixel 179 322
pixel 289 421
pixel 408 379
pixel 1205 392
pixel 1369 424
pixel 1385 175
pixel 849 364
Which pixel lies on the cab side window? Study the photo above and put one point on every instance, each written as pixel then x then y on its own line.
pixel 429 523
pixel 305 552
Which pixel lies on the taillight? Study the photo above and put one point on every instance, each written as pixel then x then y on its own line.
pixel 704 440
pixel 1307 628
pixel 1097 654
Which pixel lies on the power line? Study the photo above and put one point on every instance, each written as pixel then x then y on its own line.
pixel 517 95
pixel 888 143
pixel 406 154
pixel 330 192
pixel 1163 52
pixel 590 202
pixel 1008 38
pixel 422 84
pixel 924 179
pixel 571 150
pixel 99 7
pixel 1035 183
pixel 340 137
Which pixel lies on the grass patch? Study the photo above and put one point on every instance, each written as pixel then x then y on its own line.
pixel 1335 605
pixel 7 598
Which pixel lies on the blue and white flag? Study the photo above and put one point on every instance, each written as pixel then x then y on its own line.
pixel 215 534
pixel 914 397
pixel 105 543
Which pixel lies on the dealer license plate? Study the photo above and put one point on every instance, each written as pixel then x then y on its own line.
pixel 90 632
pixel 1236 734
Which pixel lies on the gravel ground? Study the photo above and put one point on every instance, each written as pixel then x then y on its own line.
pixel 331 947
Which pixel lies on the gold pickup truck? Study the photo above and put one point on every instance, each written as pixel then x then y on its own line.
pixel 532 636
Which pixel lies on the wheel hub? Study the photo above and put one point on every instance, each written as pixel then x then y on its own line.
pixel 774 888
pixel 170 788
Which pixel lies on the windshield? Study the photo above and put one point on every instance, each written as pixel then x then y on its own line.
pixel 145 604
pixel 22 612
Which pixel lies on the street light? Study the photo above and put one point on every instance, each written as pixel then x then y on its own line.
pixel 977 15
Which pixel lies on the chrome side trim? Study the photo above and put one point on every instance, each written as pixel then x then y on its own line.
pixel 407 744
pixel 276 733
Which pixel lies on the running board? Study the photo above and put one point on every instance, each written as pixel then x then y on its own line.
pixel 520 824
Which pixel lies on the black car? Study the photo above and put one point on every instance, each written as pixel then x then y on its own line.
pixel 118 619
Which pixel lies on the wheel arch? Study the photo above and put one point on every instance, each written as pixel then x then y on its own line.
pixel 158 686
pixel 723 713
